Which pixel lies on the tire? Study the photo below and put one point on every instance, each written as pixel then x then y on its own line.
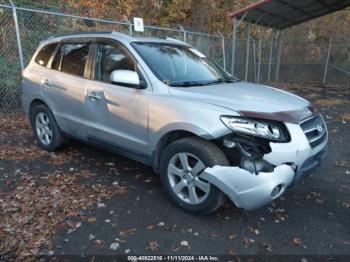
pixel 50 127
pixel 174 176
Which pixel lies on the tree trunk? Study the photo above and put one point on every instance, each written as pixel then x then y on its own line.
pixel 202 13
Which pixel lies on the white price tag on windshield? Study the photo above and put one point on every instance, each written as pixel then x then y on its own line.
pixel 196 52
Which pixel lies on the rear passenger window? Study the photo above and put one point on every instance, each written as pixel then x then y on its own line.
pixel 44 54
pixel 71 59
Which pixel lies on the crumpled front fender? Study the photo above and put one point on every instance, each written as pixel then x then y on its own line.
pixel 247 190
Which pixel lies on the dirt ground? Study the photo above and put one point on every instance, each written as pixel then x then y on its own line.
pixel 84 201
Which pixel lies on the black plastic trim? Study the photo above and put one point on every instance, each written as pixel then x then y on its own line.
pixel 101 143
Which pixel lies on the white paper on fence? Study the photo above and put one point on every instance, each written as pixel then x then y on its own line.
pixel 138 24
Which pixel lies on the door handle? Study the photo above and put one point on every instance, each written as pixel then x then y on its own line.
pixel 93 96
pixel 46 83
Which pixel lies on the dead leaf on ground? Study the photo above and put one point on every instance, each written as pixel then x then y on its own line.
pixel 231 252
pixel 297 241
pixel 128 232
pixel 149 227
pixel 99 244
pixel 152 245
pixel 232 237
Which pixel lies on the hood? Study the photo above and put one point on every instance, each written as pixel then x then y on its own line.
pixel 249 99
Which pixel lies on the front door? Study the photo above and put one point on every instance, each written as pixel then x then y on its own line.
pixel 117 115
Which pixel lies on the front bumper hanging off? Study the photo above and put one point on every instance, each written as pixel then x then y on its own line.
pixel 247 190
pixel 292 161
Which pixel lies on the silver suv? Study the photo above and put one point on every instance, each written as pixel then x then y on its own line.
pixel 164 103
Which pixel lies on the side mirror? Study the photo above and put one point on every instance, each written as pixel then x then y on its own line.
pixel 126 78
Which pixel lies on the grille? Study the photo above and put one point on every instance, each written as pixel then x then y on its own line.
pixel 315 130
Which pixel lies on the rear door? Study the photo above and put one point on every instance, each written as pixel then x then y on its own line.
pixel 35 74
pixel 117 115
pixel 65 86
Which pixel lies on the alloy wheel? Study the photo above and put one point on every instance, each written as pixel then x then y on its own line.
pixel 183 174
pixel 43 128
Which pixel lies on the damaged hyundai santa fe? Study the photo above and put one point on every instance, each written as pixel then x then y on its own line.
pixel 164 103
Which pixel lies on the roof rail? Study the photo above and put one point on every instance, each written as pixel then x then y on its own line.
pixel 175 40
pixel 80 33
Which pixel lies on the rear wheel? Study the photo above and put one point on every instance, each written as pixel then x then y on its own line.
pixel 45 128
pixel 181 165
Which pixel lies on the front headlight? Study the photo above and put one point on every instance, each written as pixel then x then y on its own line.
pixel 270 130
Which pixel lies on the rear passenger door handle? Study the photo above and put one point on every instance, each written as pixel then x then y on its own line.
pixel 46 83
pixel 93 96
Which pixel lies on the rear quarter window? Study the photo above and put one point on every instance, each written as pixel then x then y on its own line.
pixel 44 54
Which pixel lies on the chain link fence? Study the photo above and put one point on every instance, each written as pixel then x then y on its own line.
pixel 9 62
pixel 37 25
pixel 323 62
pixel 255 60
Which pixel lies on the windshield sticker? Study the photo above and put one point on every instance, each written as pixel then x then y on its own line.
pixel 196 52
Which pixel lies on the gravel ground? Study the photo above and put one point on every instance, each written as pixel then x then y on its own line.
pixel 112 205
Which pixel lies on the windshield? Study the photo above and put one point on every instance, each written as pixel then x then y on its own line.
pixel 181 66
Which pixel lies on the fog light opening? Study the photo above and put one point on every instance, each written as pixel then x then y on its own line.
pixel 276 191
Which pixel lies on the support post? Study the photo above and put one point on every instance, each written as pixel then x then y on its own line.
pixel 247 55
pixel 130 28
pixel 235 24
pixel 279 54
pixel 234 40
pixel 329 51
pixel 223 51
pixel 184 32
pixel 327 60
pixel 260 56
pixel 270 55
pixel 18 37
pixel 254 60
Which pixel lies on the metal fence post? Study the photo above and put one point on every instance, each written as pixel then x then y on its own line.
pixel 327 60
pixel 18 37
pixel 234 36
pixel 260 56
pixel 223 50
pixel 270 56
pixel 184 32
pixel 279 54
pixel 254 60
pixel 329 51
pixel 247 55
pixel 126 20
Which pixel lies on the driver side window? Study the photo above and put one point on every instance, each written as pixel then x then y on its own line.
pixel 110 58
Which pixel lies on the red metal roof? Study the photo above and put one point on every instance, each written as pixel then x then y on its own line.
pixel 286 13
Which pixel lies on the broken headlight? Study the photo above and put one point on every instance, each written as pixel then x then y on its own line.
pixel 271 130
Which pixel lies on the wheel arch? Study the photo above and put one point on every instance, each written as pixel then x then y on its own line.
pixel 35 102
pixel 166 140
pixel 39 101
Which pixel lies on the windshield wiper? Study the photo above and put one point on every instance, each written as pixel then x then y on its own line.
pixel 220 80
pixel 188 83
pixel 200 83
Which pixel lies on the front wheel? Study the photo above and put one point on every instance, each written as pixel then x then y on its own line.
pixel 181 165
